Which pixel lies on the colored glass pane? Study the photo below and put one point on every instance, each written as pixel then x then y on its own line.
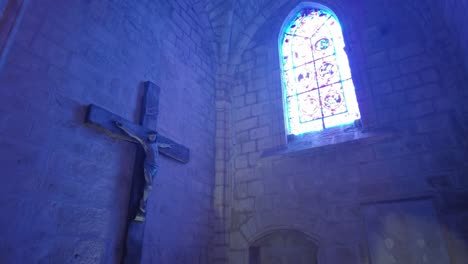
pixel 316 74
pixel 309 106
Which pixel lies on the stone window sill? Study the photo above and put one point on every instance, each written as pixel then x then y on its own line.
pixel 328 139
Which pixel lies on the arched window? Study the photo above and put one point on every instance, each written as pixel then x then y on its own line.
pixel 319 91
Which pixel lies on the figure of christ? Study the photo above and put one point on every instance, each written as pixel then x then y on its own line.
pixel 150 146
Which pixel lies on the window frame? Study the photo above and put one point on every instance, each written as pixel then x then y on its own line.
pixel 331 130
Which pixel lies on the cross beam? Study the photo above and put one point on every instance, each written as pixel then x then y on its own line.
pixel 103 120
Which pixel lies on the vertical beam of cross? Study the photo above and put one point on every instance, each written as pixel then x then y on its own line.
pixel 135 230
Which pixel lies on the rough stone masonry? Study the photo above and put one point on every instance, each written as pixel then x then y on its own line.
pixel 64 188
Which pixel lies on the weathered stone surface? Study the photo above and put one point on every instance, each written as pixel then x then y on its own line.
pixel 405 78
pixel 404 231
pixel 71 183
pixel 217 64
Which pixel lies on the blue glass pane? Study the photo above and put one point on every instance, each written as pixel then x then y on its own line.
pixel 309 106
pixel 332 100
pixel 327 71
pixel 316 75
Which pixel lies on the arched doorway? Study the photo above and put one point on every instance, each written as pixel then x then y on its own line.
pixel 283 247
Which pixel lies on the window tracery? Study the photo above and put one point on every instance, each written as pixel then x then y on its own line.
pixel 317 81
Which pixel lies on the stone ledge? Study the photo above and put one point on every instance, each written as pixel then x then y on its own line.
pixel 329 139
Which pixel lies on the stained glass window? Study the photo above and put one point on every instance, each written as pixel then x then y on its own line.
pixel 316 75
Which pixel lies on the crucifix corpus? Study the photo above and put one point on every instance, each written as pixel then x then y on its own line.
pixel 146 163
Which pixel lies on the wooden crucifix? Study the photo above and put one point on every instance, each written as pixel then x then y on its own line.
pixel 146 163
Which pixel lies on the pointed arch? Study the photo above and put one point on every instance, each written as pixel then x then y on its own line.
pixel 317 84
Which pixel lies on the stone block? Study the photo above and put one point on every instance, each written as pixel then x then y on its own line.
pixel 416 110
pixel 394 99
pixel 240 190
pixel 384 73
pixel 264 203
pixel 237 241
pixel 387 116
pixel 259 133
pixel 357 155
pixel 415 64
pixel 238 256
pixel 245 205
pixel 407 50
pixel 377 59
pixel 242 113
pixel 423 93
pixel 251 98
pixel 383 88
pixel 406 82
pixel 51 52
pixel 247 124
pixel 238 101
pixel 442 160
pixel 250 146
pixel 342 255
pixel 242 162
pixel 254 158
pixel 255 188
pixel 429 75
pixel 434 123
pixel 238 90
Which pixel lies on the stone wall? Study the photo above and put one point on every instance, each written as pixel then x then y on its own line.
pixel 455 15
pixel 410 91
pixel 65 186
pixel 2 6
